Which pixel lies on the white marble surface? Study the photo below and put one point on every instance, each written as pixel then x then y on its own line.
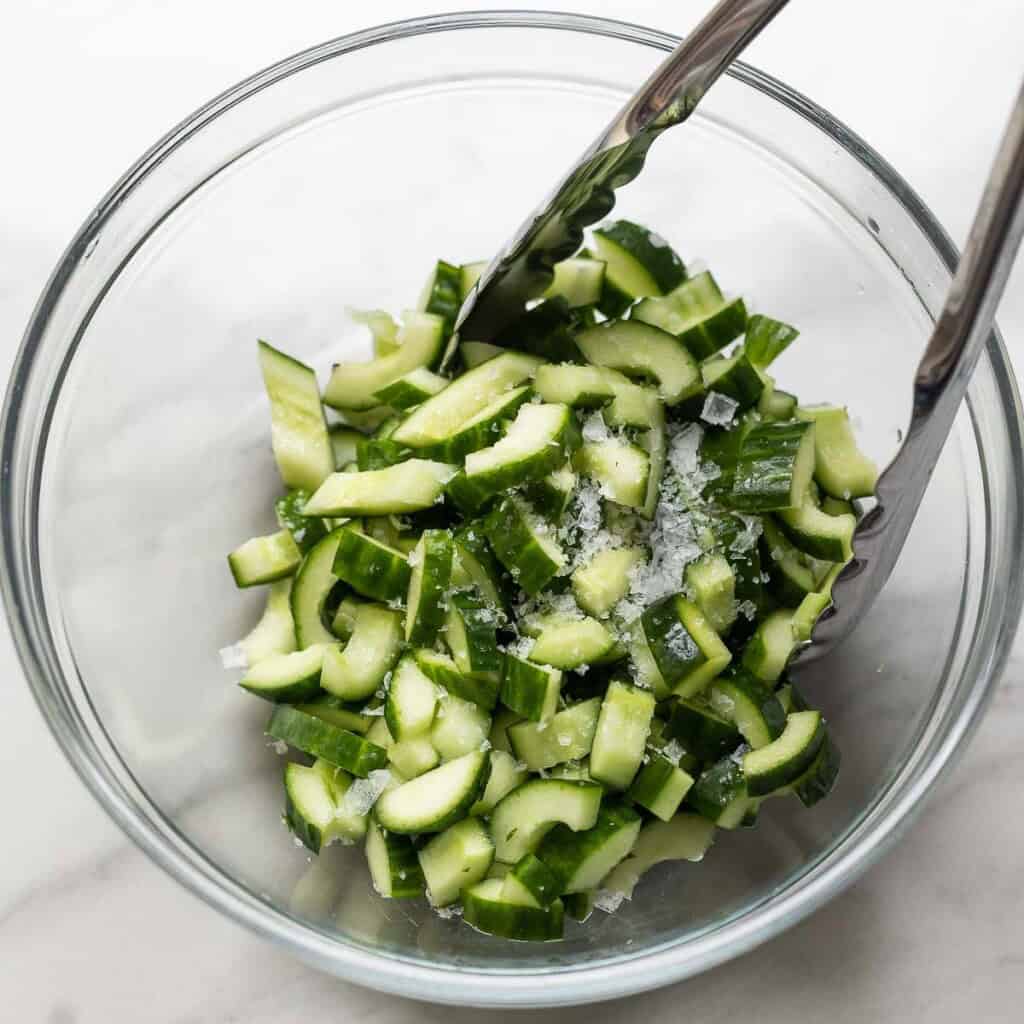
pixel 933 932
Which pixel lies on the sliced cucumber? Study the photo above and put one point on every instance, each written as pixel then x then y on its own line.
pixel 313 582
pixel 775 404
pixel 306 531
pixel 411 389
pixel 702 730
pixel 820 778
pixel 621 735
pixel 459 728
pixel 382 326
pixel 767 339
pixel 531 881
pixel 530 690
pixel 431 575
pixel 605 580
pixel 638 349
pixel 476 352
pixel 578 280
pixel 552 495
pixel 486 909
pixel 638 262
pixel 355 385
pixel 768 650
pixel 784 760
pixel 842 470
pixel 356 671
pixel 331 709
pixel 286 678
pixel 343 444
pixel 394 867
pixel 720 793
pixel 619 468
pixel 444 671
pixel 524 544
pixel 264 559
pixel 506 775
pixel 412 757
pixel 569 643
pixel 584 387
pixel 685 647
pixel 475 565
pixel 817 533
pixel 773 467
pixel 459 857
pixel 741 699
pixel 313 735
pixel 712 583
pixel 568 736
pixel 470 273
pixel 794 574
pixel 379 453
pixel 275 632
pixel 645 669
pixel 522 819
pixel 312 797
pixel 660 787
pixel 436 799
pixel 411 486
pixel 411 702
pixel 503 719
pixel 482 430
pixel 471 635
pixel 442 294
pixel 734 376
pixel 371 568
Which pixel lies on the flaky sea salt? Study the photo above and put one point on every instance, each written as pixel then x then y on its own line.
pixel 673 750
pixel 719 409
pixel 747 609
pixel 279 747
pixel 233 657
pixel 449 912
pixel 360 797
pixel 595 428
pixel 684 447
pixel 607 901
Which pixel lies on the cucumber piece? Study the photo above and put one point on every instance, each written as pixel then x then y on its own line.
pixel 654 442
pixel 837 507
pixel 734 376
pixel 817 533
pixel 813 605
pixel 720 793
pixel 583 387
pixel 776 404
pixel 702 730
pixel 475 565
pixel 685 837
pixel 412 757
pixel 298 430
pixel 411 701
pixel 343 444
pixel 521 820
pixel 436 799
pixel 439 418
pixel 358 670
pixel 443 670
pixel 773 467
pixel 568 643
pixel 577 280
pixel 470 273
pixel 411 389
pixel 264 559
pixel 313 582
pixel 275 632
pixel 660 787
pixel 633 405
pixel 371 568
pixel 784 760
pixel 552 495
pixel 459 857
pixel 366 421
pixel 531 881
pixel 820 778
pixel 767 339
pixel 482 430
pixel 539 440
pixel 639 261
pixel 530 690
pixel 431 575
pixel 331 709
pixel 353 386
pixel 581 860
pixel 768 650
pixel 486 909
pixel 442 294
pixel 286 678
pixel 621 735
pixel 394 866
pixel 312 797
pixel 506 775
pixel 471 633
pixel 619 468
pixel 408 487
pixel 840 468
pixel 645 668
pixel 523 544
pixel 476 352
pixel 712 582
pixel 568 736
pixel 503 719
pixel 383 328
pixel 794 574
pixel 605 580
pixel 459 728
pixel 637 349
pixel 313 735
pixel 379 453
pixel 741 699
pixel 685 647
pixel 306 531
pixel 378 734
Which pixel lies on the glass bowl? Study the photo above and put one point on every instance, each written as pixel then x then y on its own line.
pixel 136 453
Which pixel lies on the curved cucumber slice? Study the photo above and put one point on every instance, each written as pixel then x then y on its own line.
pixel 697 313
pixel 264 559
pixel 371 568
pixel 506 775
pixel 794 574
pixel 313 582
pixel 773 467
pixel 767 339
pixel 408 487
pixel 685 648
pixel 660 787
pixel 568 736
pixel 298 428
pixel 620 469
pixel 440 417
pixel 382 327
pixel 621 735
pixel 481 430
pixel 842 470
pixel 712 582
pixel 437 799
pixel 486 908
pixel 580 860
pixel 530 690
pixel 431 575
pixel 275 632
pixel 531 881
pixel 524 544
pixel 787 758
pixel 305 531
pixel 338 746
pixel 470 274
pixel 412 389
pixel 685 837
pixel 442 294
pixel 817 533
pixel 356 671
pixel 584 387
pixel 552 495
pixel 444 672
pixel 639 262
pixel 411 702
pixel 720 793
pixel 605 580
pixel 735 377
pixel 768 650
pixel 355 385
pixel 578 280
pixel 818 781
pixel 312 811
pixel 638 349
pixel 394 866
pixel 776 404
pixel 741 699
pixel 459 857
pixel 569 643
pixel 459 728
pixel 286 678
pixel 476 352
pixel 333 710
pixel 702 730
pixel 475 565
pixel 471 635
pixel 412 757
pixel 522 818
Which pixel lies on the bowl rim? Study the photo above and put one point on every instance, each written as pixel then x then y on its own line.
pixel 564 985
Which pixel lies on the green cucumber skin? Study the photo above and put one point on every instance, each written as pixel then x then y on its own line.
pixel 701 731
pixel 436 577
pixel 479 621
pixel 297 692
pixel 371 569
pixel 315 579
pixel 767 782
pixel 381 452
pixel 820 778
pixel 741 382
pixel 763 480
pixel 675 652
pixel 354 753
pixel 511 920
pixel 482 692
pixel 649 789
pixel 535 876
pixel 717 787
pixel 711 335
pixel 471 438
pixel 524 687
pixel 445 295
pixel 660 261
pixel 767 339
pixel 406 875
pixel 306 531
pixel 511 539
pixel 334 710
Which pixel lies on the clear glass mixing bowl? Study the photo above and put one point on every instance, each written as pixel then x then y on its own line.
pixel 136 453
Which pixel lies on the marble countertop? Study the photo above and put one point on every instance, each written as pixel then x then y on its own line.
pixel 936 930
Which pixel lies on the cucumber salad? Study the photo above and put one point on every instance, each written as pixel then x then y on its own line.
pixel 528 619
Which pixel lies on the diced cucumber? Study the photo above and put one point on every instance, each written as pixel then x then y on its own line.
pixel 685 647
pixel 741 699
pixel 531 881
pixel 712 583
pixel 482 430
pixel 702 730
pixel 347 750
pixel 842 470
pixel 521 819
pixel 720 793
pixel 569 643
pixel 305 530
pixel 332 709
pixel 264 559
pixel 355 385
pixel 379 453
pixel 442 294
pixel 784 760
pixel 412 757
pixel 407 487
pixel 411 389
pixel 411 702
pixel 524 544
pixel 621 735
pixel 584 387
pixel 639 262
pixel 820 778
pixel 531 690
pixel 343 444
pixel 471 635
pixel 775 404
pixel 436 799
pixel 605 580
pixel 767 339
pixel 459 857
pixel 313 582
pixel 431 575
pixel 443 671
pixel 660 787
pixel 470 273
pixel 394 866
pixel 371 568
pixel 645 669
pixel 312 798
pixel 506 775
pixel 275 632
pixel 619 468
pixel 773 467
pixel 486 909
pixel 503 719
pixel 734 376
pixel 637 349
pixel 654 443
pixel 817 533
pixel 356 671
pixel 552 495
pixel 568 736
pixel 286 678
pixel 578 280
pixel 768 650
pixel 298 428
pixel 475 565
pixel 794 574
pixel 685 837
pixel 459 728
